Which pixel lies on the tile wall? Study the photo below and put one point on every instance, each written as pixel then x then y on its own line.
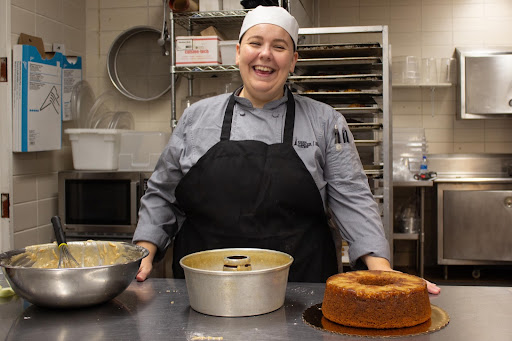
pixel 105 20
pixel 433 28
pixel 425 28
pixel 35 174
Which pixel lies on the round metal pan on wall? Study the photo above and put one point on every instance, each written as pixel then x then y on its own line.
pixel 137 64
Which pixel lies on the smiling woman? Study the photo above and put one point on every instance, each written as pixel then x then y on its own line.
pixel 259 168
pixel 266 53
pixel 265 56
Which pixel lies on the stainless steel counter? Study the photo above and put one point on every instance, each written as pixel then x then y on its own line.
pixel 158 309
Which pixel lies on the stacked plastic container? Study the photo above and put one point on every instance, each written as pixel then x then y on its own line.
pixel 413 70
pixel 406 70
pixel 140 150
pixel 409 147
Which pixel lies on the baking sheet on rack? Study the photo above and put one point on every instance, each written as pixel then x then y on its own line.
pixel 339 50
pixel 358 109
pixel 341 83
pixel 354 70
pixel 350 76
pixel 367 143
pixel 373 169
pixel 364 126
pixel 346 92
pixel 339 61
pixel 349 99
pixel 336 78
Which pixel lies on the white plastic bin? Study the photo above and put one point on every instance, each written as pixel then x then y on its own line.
pixel 140 150
pixel 231 5
pixel 228 51
pixel 210 5
pixel 95 149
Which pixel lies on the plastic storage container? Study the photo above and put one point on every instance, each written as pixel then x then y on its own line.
pixel 210 5
pixel 406 69
pixel 140 150
pixel 95 149
pixel 228 51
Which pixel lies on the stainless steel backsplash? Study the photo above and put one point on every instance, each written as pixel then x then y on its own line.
pixel 470 165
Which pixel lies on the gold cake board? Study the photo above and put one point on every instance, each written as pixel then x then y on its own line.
pixel 313 317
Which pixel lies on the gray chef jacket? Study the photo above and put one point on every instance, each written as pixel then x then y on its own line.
pixel 337 171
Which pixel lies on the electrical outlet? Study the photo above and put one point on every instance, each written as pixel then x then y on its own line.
pixel 3 70
pixel 56 47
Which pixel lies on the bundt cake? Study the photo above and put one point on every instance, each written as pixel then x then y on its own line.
pixel 376 299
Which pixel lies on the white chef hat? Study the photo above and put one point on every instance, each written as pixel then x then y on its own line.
pixel 271 15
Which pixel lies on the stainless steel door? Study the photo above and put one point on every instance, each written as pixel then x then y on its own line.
pixel 488 89
pixel 478 225
pixel 474 223
pixel 483 88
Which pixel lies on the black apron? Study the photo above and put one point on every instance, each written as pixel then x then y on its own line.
pixel 248 194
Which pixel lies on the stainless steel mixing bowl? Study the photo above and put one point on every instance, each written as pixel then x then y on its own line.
pixel 214 290
pixel 71 287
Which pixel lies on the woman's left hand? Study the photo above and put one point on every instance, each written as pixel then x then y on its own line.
pixel 377 263
pixel 433 288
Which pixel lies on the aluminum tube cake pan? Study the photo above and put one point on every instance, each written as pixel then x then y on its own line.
pixel 215 289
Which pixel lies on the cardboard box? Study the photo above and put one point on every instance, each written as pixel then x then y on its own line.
pixel 212 31
pixel 37 100
pixel 37 42
pixel 197 50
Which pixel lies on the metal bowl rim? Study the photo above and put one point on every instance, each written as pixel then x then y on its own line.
pixel 11 253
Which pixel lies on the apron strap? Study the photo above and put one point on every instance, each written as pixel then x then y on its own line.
pixel 288 124
pixel 228 118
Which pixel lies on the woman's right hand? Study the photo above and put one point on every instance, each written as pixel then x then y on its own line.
pixel 144 270
pixel 146 265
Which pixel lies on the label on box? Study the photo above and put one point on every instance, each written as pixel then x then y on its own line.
pixel 71 74
pixel 37 100
pixel 197 50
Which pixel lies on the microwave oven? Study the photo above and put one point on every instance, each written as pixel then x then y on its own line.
pixel 95 204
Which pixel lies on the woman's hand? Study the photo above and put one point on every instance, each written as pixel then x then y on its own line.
pixel 378 263
pixel 433 288
pixel 146 265
pixel 144 270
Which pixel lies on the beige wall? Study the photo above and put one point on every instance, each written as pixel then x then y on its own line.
pixel 105 21
pixel 428 28
pixel 35 174
pixel 433 28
